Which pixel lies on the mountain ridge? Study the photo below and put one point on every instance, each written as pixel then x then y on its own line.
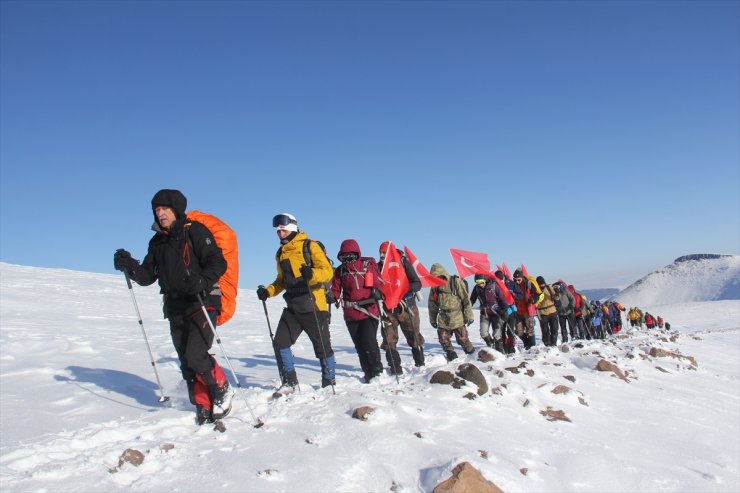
pixel 694 277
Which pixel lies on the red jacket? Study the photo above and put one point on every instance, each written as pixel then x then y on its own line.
pixel 354 282
pixel 522 305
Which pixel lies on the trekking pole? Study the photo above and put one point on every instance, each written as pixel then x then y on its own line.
pixel 162 398
pixel 318 327
pixel 272 338
pixel 258 422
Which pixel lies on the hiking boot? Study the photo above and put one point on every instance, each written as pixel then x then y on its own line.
pixel 290 385
pixel 418 354
pixel 489 341
pixel 395 369
pixel 328 369
pixel 498 346
pixel 222 398
pixel 203 415
pixel 284 389
pixel 451 355
pixel 469 349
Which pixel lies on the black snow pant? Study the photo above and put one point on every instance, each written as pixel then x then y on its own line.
pixel 549 327
pixel 192 338
pixel 292 325
pixel 364 334
pixel 568 320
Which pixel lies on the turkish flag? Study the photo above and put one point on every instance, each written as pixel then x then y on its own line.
pixel 395 284
pixel 506 271
pixel 427 280
pixel 507 294
pixel 469 263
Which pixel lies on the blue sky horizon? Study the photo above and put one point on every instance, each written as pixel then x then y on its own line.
pixel 591 141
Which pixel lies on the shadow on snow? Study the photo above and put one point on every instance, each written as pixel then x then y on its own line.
pixel 143 391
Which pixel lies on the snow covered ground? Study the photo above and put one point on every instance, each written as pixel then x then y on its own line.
pixel 78 389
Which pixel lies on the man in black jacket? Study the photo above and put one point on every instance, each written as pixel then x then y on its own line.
pixel 186 261
pixel 405 315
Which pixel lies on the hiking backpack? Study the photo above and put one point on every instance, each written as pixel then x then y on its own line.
pixel 453 284
pixel 228 283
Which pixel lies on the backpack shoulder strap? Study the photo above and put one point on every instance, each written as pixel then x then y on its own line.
pixel 307 252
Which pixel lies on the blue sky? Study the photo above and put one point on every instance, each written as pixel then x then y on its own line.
pixel 593 141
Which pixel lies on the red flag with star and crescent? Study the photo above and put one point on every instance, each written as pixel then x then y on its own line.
pixel 427 280
pixel 395 284
pixel 469 263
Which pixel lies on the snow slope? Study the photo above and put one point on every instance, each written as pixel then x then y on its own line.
pixel 78 389
pixel 703 277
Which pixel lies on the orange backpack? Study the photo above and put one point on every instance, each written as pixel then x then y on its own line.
pixel 226 240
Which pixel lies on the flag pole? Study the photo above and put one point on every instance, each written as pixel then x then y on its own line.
pixel 453 261
pixel 390 244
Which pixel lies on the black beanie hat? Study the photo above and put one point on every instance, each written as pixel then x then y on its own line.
pixel 499 274
pixel 173 199
pixel 479 277
pixel 541 280
pixel 518 273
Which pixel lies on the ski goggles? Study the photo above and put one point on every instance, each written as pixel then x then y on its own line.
pixel 282 220
pixel 348 257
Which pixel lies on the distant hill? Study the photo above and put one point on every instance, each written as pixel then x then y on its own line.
pixel 599 294
pixel 699 277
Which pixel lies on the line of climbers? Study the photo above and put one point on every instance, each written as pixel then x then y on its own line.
pixel 639 319
pixel 558 307
pixel 184 257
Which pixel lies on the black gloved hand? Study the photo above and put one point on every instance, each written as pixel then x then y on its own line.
pixel 377 294
pixel 532 300
pixel 262 293
pixel 469 322
pixel 434 325
pixel 306 272
pixel 193 284
pixel 123 261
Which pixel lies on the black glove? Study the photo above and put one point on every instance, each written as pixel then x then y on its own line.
pixel 193 284
pixel 434 325
pixel 262 293
pixel 532 300
pixel 306 272
pixel 123 261
pixel 469 322
pixel 377 294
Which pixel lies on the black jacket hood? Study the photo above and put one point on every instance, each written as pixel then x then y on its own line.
pixel 170 198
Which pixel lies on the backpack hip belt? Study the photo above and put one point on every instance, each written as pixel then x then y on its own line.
pixel 358 305
pixel 355 304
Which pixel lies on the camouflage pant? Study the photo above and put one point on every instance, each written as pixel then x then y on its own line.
pixel 461 336
pixel 408 320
